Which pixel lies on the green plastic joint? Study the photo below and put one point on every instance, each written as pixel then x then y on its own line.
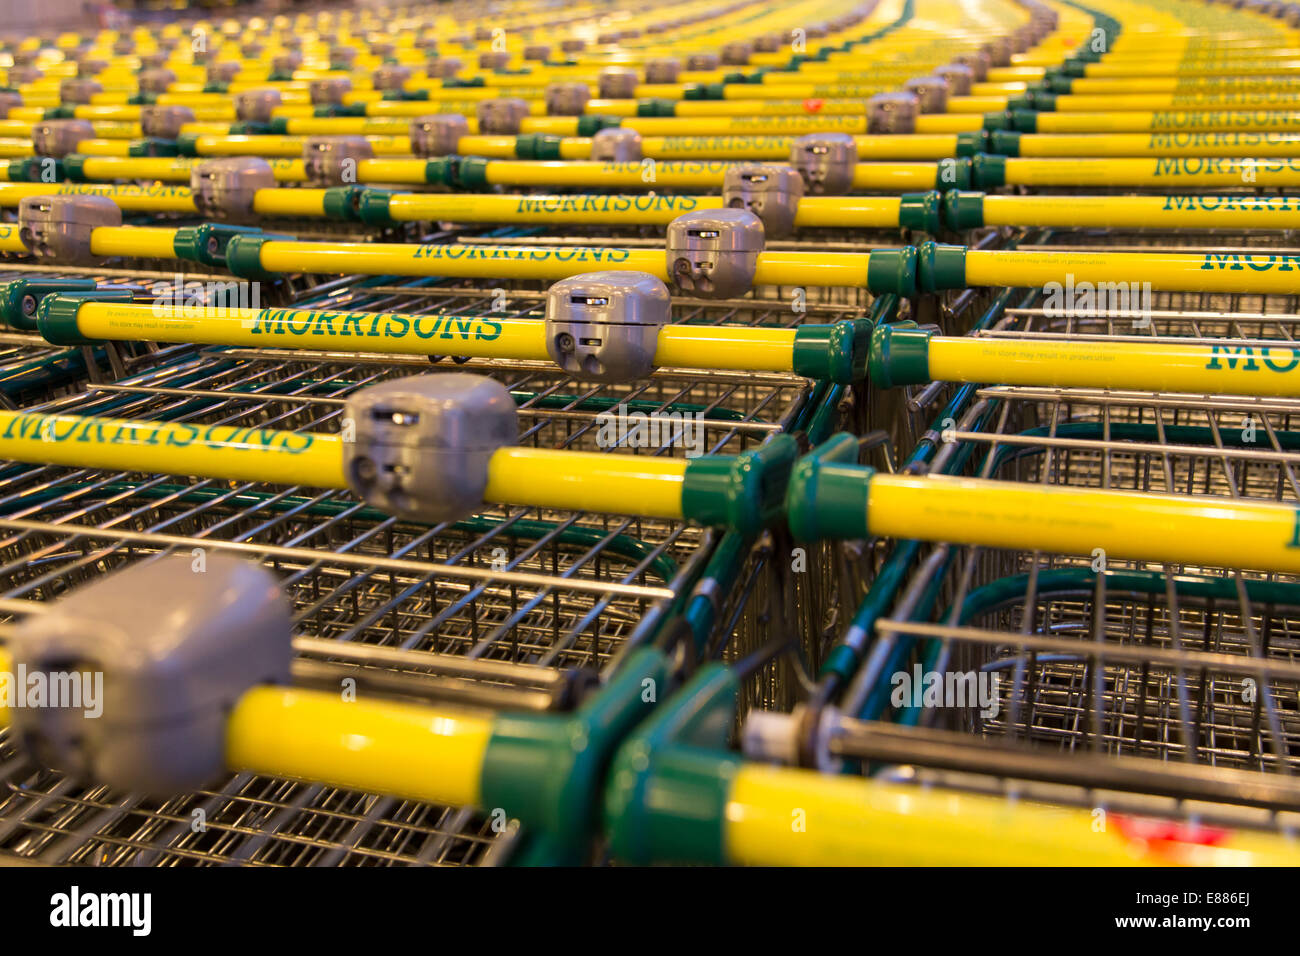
pixel 827 493
pixel 546 770
pixel 954 173
pixel 1026 121
pixel 919 211
pixel 940 266
pixel 1044 102
pixel 994 121
pixel 253 128
pixel 343 202
pixel 187 144
pixel 970 143
pixel 154 146
pixel 1004 143
pixel 667 789
pixel 538 146
pixel 741 492
pixel 19 298
pixel 899 354
pixel 244 256
pixel 56 314
pixel 466 172
pixel 963 210
pixel 988 172
pixel 892 270
pixel 589 124
pixel 36 169
pixel 825 352
pixel 208 242
pixel 656 106
pixel 372 206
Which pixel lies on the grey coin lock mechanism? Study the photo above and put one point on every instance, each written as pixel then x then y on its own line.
pixel 225 188
pixel 770 192
pixel 59 137
pixel 437 134
pixel 501 116
pixel 332 160
pixel 893 113
pixel 155 80
pixel 615 144
pixel 164 122
pixel 620 82
pixel 58 228
pixel 256 106
pixel 713 253
pixel 566 99
pixel 177 649
pixel 664 69
pixel 223 71
pixel 79 90
pixel 826 161
pixel 329 90
pixel 605 325
pixel 423 447
pixel 931 93
pixel 422 444
pixel 391 77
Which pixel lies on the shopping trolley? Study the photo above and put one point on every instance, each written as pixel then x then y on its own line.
pixel 591 590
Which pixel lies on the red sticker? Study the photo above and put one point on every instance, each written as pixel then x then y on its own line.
pixel 1169 831
pixel 813 106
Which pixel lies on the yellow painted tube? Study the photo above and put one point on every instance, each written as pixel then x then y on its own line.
pixel 462 261
pixel 213 451
pixel 1151 212
pixel 1169 121
pixel 706 174
pixel 1226 369
pixel 146 241
pixel 726 347
pixel 104 147
pixel 589 481
pixel 848 212
pixel 1192 99
pixel 856 822
pixel 1180 84
pixel 1177 272
pixel 1203 531
pixel 351 125
pixel 949 123
pixel 492 147
pixel 289 202
pixel 381 332
pixel 10 241
pixel 16 148
pixel 711 347
pixel 163 168
pixel 895 177
pixel 1240 67
pixel 1178 173
pixel 403 171
pixel 803 269
pixel 738 147
pixel 402 750
pixel 635 208
pixel 1200 143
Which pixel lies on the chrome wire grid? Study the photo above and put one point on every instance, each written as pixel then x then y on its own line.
pixel 514 608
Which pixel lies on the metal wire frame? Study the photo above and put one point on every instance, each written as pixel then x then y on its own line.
pixel 577 589
pixel 1198 667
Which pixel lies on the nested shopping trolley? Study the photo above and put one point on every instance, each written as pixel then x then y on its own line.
pixel 542 614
